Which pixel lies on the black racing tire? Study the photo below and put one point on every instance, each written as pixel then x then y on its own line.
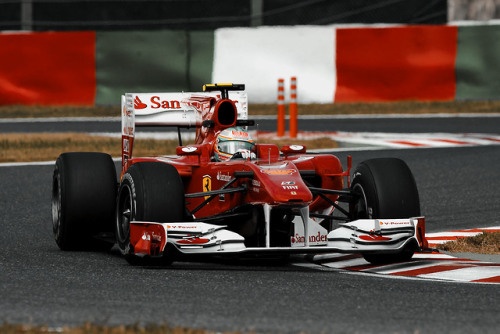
pixel 149 191
pixel 386 188
pixel 84 188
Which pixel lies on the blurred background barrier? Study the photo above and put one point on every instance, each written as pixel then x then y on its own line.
pixel 173 45
pixel 47 68
pixel 396 63
pixel 478 63
pixel 259 56
pixel 151 61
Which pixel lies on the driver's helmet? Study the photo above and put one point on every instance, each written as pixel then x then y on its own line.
pixel 230 141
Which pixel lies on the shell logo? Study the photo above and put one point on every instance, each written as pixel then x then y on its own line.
pixel 278 171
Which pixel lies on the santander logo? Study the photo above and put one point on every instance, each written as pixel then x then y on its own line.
pixel 319 238
pixel 138 104
pixel 156 103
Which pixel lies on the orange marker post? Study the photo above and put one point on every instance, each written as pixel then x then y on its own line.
pixel 281 108
pixel 293 108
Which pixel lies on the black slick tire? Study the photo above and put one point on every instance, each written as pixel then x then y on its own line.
pixel 84 188
pixel 386 188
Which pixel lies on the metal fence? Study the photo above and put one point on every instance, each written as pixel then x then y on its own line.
pixel 43 15
pixel 476 10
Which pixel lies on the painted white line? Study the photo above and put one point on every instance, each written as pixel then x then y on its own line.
pixel 398 268
pixel 164 135
pixel 349 149
pixel 452 234
pixel 465 274
pixel 431 256
pixel 433 243
pixel 464 233
pixel 412 278
pixel 32 163
pixel 491 228
pixel 36 163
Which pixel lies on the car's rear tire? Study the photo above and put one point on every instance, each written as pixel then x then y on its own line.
pixel 386 188
pixel 84 190
pixel 149 191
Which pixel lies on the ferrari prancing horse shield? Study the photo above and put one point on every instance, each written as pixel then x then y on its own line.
pixel 207 184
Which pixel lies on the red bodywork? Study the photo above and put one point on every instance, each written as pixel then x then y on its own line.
pixel 277 183
pixel 276 180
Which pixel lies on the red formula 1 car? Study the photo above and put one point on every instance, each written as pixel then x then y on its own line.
pixel 262 200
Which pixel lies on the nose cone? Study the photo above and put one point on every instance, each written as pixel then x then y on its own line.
pixel 282 184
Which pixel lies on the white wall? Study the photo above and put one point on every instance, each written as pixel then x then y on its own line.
pixel 259 56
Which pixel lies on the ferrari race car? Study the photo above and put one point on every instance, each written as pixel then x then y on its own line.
pixel 268 201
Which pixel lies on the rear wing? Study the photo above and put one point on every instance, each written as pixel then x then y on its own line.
pixel 179 110
pixel 176 109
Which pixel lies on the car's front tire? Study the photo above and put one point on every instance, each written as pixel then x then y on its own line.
pixel 386 188
pixel 149 191
pixel 83 200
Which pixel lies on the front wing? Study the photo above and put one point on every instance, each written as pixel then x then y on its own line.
pixel 381 236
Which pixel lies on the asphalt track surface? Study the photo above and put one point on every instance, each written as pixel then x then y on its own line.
pixel 40 284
